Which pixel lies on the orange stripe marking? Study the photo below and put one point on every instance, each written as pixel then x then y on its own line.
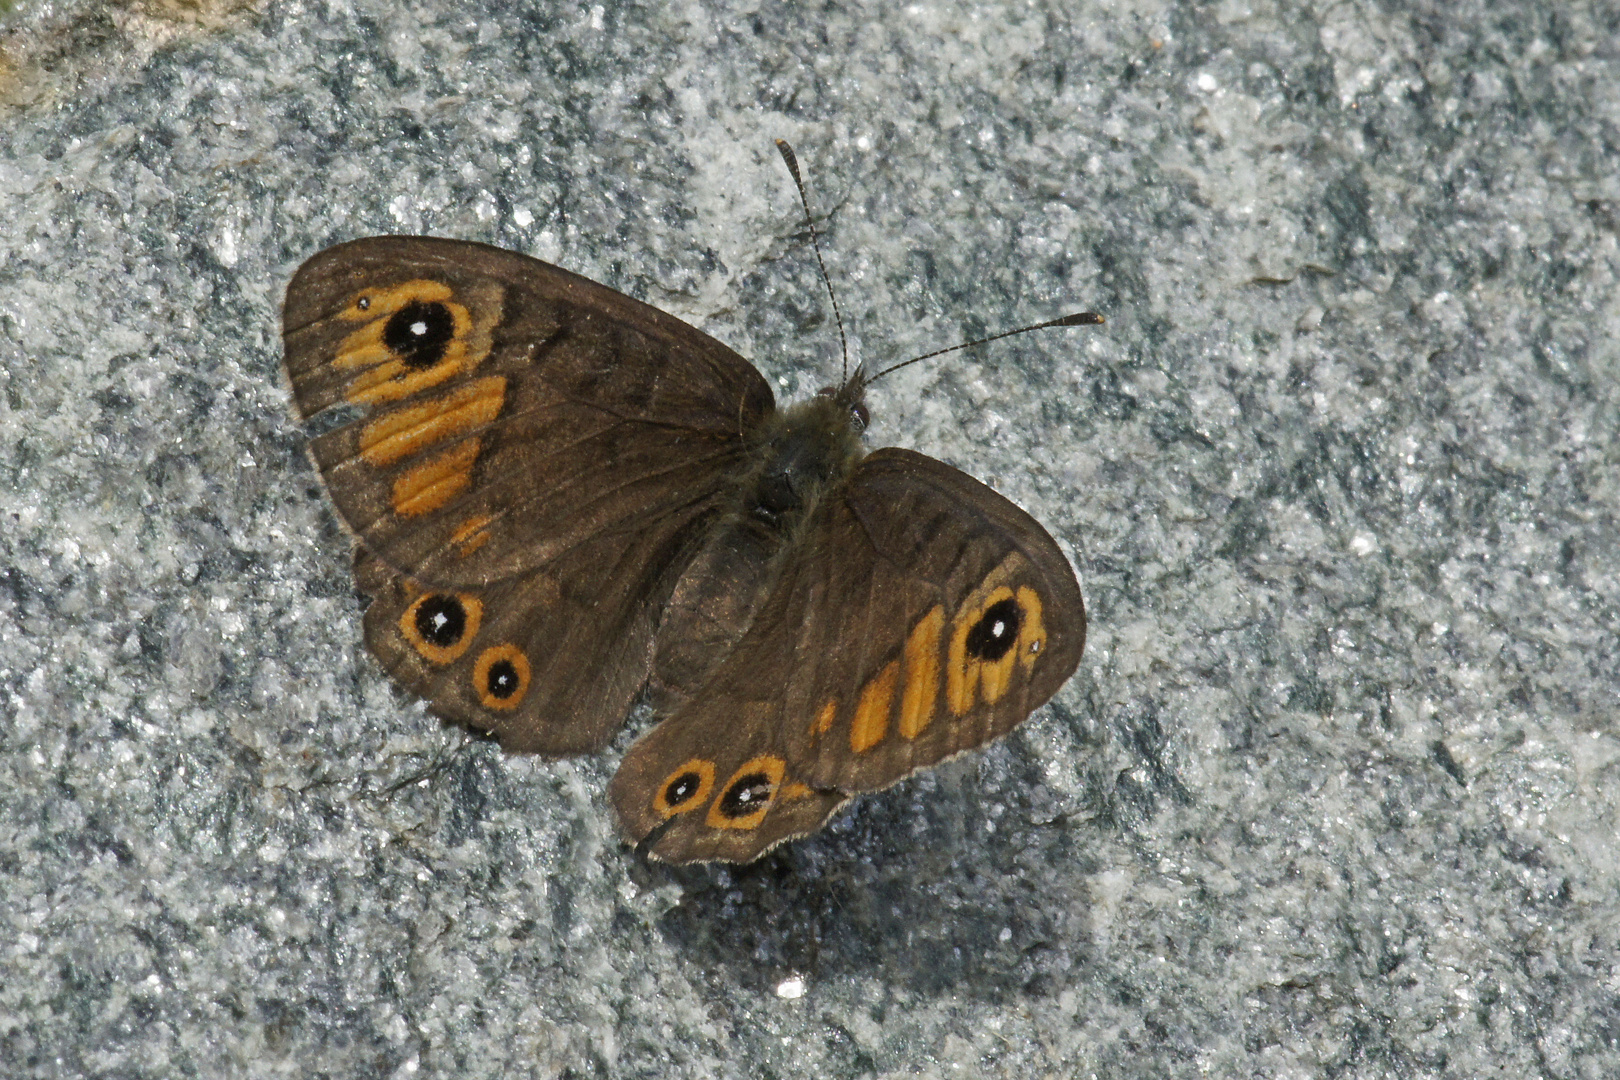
pixel 871 720
pixel 435 482
pixel 922 674
pixel 470 534
pixel 381 303
pixel 404 432
pixel 824 720
pixel 1032 638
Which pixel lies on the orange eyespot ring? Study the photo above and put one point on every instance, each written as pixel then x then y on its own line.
pixel 748 794
pixel 686 788
pixel 501 677
pixel 441 626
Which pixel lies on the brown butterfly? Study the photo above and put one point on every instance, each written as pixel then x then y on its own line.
pixel 563 497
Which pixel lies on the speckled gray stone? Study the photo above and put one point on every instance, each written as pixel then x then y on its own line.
pixel 1336 790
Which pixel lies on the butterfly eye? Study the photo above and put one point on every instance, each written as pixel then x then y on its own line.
pixel 863 418
pixel 996 631
pixel 419 333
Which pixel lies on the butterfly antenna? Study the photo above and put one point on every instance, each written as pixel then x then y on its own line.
pixel 1079 318
pixel 798 182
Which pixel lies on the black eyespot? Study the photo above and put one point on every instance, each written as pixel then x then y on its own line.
pixel 682 789
pixel 418 333
pixel 440 621
pixel 746 795
pixel 364 303
pixel 502 679
pixel 996 631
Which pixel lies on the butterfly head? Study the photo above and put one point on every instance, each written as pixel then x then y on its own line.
pixel 851 399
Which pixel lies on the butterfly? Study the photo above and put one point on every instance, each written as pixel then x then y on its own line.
pixel 563 498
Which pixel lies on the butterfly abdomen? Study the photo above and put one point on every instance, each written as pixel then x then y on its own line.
pixel 801 455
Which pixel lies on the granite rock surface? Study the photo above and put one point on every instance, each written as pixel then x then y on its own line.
pixel 1337 787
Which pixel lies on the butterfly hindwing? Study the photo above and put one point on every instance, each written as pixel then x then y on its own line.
pixel 536 659
pixel 922 615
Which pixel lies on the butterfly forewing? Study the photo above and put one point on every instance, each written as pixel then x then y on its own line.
pixel 509 410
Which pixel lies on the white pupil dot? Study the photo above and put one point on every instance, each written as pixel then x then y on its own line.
pixel 998 629
pixel 419 328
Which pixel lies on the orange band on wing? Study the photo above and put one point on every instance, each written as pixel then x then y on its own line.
pixel 921 694
pixel 871 720
pixel 406 431
pixel 435 482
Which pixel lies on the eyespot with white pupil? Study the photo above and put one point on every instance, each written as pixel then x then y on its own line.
pixel 441 620
pixel 686 788
pixel 419 333
pixel 502 680
pixel 682 790
pixel 746 795
pixel 996 631
pixel 500 676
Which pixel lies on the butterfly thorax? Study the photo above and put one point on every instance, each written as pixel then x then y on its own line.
pixel 800 453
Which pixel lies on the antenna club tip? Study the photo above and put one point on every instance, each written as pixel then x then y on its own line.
pixel 1081 318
